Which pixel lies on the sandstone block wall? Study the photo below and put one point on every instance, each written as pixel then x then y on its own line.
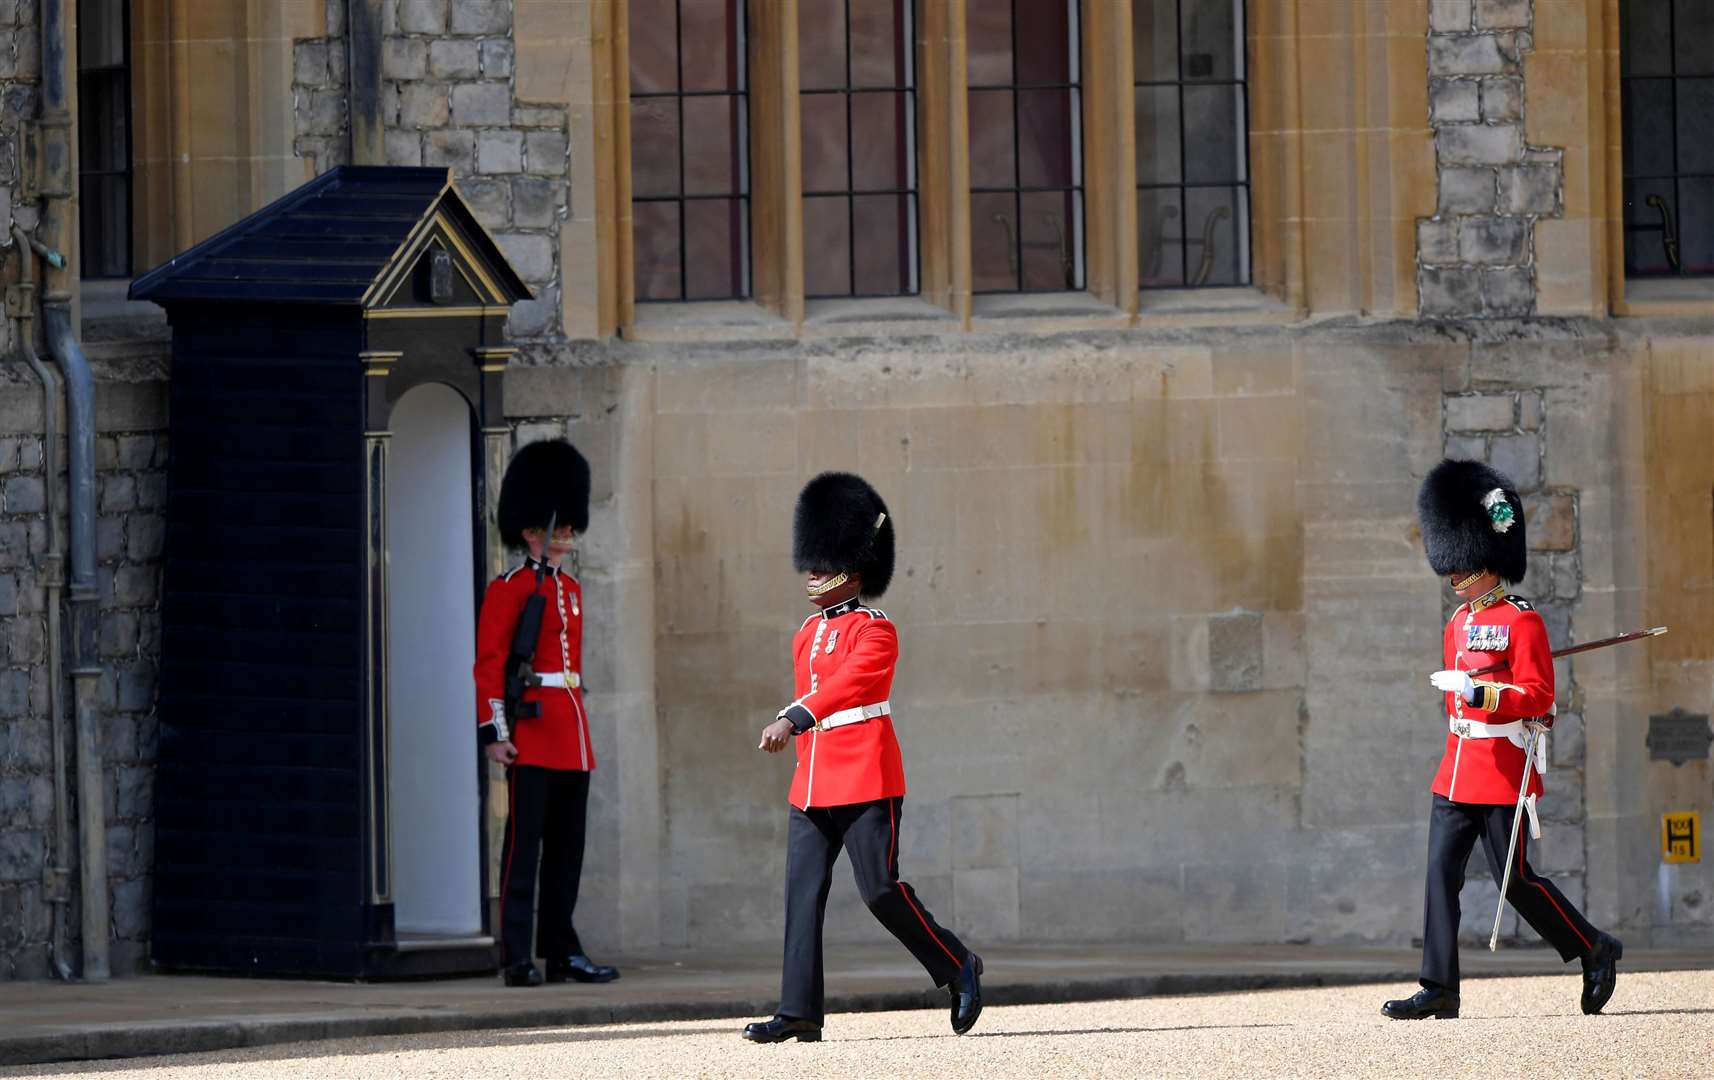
pixel 1163 609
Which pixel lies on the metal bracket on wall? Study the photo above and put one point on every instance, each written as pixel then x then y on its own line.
pixel 38 142
pixel 22 146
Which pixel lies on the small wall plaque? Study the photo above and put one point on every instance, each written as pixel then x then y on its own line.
pixel 1679 736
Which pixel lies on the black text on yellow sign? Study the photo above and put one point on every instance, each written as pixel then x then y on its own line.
pixel 1681 837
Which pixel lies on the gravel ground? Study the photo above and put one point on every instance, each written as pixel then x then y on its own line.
pixel 1658 1025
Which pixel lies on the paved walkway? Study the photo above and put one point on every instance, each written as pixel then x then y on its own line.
pixel 1659 1026
pixel 162 1014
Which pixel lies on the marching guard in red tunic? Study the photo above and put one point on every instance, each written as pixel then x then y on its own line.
pixel 530 715
pixel 849 786
pixel 1473 531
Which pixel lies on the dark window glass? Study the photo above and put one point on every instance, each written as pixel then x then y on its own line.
pixel 1647 29
pixel 1693 37
pixel 1696 196
pixel 858 111
pixel 104 137
pixel 1193 173
pixel 690 165
pixel 1666 90
pixel 1026 145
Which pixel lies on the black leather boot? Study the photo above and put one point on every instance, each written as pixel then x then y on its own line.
pixel 523 973
pixel 781 1028
pixel 1440 1004
pixel 579 968
pixel 1600 972
pixel 967 995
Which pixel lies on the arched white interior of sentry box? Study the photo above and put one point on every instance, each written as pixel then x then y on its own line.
pixel 431 645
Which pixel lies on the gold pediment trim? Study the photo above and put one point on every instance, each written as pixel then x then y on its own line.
pixel 429 312
pixel 436 227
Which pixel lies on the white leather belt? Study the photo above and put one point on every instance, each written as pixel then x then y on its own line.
pixel 856 715
pixel 560 680
pixel 1515 733
pixel 1475 729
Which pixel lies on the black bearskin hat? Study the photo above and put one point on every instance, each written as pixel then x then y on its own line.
pixel 842 526
pixel 545 480
pixel 1472 519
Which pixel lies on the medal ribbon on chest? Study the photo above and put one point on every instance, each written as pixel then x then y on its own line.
pixel 1487 638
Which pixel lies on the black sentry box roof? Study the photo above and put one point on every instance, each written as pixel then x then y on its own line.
pixel 330 242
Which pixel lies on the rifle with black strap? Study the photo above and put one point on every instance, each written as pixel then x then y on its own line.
pixel 520 662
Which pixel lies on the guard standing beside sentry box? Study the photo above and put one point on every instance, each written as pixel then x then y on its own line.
pixel 849 787
pixel 1474 534
pixel 530 714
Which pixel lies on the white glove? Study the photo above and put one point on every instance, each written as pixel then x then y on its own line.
pixel 1455 682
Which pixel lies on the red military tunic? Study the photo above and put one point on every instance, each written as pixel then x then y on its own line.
pixel 1495 629
pixel 558 736
pixel 842 662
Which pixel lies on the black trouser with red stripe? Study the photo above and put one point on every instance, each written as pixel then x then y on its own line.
pixel 1453 829
pixel 544 825
pixel 870 833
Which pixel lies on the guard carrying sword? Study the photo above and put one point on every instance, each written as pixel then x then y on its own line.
pixel 530 716
pixel 849 787
pixel 1474 535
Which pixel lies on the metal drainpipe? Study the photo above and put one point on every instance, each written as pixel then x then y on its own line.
pixel 56 877
pixel 60 228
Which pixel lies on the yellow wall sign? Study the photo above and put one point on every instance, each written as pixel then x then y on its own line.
pixel 1681 837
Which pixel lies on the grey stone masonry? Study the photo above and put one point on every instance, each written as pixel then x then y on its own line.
pixel 1507 428
pixel 130 530
pixel 448 98
pixel 20 55
pixel 319 79
pixel 1476 256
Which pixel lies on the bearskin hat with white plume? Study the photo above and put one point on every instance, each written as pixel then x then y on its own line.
pixel 545 481
pixel 842 526
pixel 1472 519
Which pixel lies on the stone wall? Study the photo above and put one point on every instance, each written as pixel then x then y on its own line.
pixel 20 62
pixel 1676 480
pixel 1164 611
pixel 1507 429
pixel 131 498
pixel 1164 616
pixel 448 100
pixel 1506 426
pixel 1476 255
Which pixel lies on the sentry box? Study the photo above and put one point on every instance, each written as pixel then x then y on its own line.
pixel 335 433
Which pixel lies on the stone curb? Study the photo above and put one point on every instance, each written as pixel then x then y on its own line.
pixel 178 1037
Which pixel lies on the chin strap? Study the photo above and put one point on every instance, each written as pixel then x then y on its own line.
pixel 834 582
